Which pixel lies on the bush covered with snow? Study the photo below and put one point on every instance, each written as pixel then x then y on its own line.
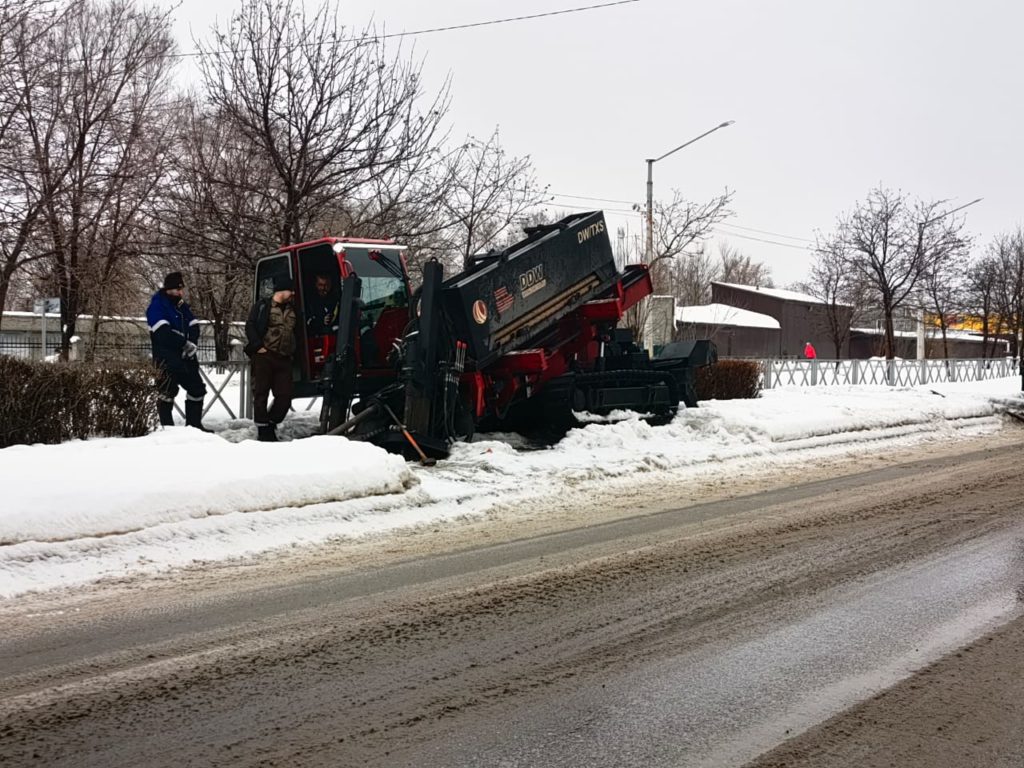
pixel 52 403
pixel 729 380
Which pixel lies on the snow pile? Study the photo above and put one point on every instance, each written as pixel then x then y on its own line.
pixel 99 509
pixel 115 486
pixel 758 433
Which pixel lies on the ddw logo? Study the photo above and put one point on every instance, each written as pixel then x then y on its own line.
pixel 532 280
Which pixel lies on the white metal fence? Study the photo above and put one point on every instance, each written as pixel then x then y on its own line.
pixel 229 388
pixel 891 373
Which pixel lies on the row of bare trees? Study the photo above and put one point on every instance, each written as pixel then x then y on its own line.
pixel 896 254
pixel 110 174
pixel 82 89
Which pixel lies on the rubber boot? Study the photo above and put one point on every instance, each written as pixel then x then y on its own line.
pixel 165 410
pixel 266 433
pixel 194 415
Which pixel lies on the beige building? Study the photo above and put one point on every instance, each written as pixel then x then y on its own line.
pixel 109 338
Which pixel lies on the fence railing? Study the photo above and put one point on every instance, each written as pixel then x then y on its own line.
pixel 30 349
pixel 229 385
pixel 891 373
pixel 229 382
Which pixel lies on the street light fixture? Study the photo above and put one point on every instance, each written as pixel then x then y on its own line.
pixel 650 186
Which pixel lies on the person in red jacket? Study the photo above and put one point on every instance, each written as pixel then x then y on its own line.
pixel 809 352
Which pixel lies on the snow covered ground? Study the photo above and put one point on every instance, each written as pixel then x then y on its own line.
pixel 85 511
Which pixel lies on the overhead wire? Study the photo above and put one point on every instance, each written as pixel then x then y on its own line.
pixel 718 231
pixel 431 30
pixel 726 231
pixel 598 199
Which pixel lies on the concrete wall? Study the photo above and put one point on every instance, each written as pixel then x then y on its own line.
pixel 733 341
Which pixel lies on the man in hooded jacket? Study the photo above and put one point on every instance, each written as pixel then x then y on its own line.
pixel 174 335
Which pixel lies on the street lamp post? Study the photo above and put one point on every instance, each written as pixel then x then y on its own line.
pixel 649 251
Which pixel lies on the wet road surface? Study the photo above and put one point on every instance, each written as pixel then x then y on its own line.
pixel 724 703
pixel 702 635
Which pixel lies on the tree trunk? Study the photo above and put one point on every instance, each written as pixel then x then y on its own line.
pixel 221 338
pixel 5 285
pixel 890 334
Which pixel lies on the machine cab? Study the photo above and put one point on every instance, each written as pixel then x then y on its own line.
pixel 317 269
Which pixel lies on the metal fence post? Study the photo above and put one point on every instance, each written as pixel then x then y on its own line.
pixel 766 368
pixel 243 388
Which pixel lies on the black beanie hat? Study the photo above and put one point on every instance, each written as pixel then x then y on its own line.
pixel 173 280
pixel 283 283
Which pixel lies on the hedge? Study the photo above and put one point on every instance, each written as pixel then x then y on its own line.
pixel 55 402
pixel 729 380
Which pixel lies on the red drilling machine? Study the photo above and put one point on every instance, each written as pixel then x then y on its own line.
pixel 520 340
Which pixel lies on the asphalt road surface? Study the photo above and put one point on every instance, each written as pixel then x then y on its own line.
pixel 864 613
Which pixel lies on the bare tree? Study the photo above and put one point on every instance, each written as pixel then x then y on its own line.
pixel 215 218
pixel 331 109
pixel 97 126
pixel 490 193
pixel 892 242
pixel 943 289
pixel 1008 253
pixel 689 276
pixel 741 269
pixel 841 290
pixel 22 193
pixel 979 296
pixel 678 225
pixel 450 204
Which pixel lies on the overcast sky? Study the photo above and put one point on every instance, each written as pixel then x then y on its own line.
pixel 829 98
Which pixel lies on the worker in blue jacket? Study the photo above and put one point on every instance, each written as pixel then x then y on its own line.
pixel 174 334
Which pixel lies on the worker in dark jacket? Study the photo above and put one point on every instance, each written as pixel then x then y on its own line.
pixel 271 335
pixel 174 335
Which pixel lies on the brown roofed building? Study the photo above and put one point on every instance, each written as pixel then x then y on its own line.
pixel 801 317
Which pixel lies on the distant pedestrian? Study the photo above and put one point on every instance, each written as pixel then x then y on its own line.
pixel 174 335
pixel 271 335
pixel 809 352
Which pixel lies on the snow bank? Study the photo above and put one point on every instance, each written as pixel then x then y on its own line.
pixel 115 486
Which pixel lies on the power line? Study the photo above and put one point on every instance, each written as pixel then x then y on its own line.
pixel 451 28
pixel 599 199
pixel 773 234
pixel 730 225
pixel 760 240
pixel 587 207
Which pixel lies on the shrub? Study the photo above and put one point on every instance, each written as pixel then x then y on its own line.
pixel 55 402
pixel 729 380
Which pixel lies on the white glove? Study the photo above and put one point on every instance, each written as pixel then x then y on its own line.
pixel 189 350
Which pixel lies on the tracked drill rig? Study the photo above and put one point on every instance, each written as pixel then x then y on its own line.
pixel 520 340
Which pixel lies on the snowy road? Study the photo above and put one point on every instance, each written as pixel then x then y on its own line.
pixel 663 634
